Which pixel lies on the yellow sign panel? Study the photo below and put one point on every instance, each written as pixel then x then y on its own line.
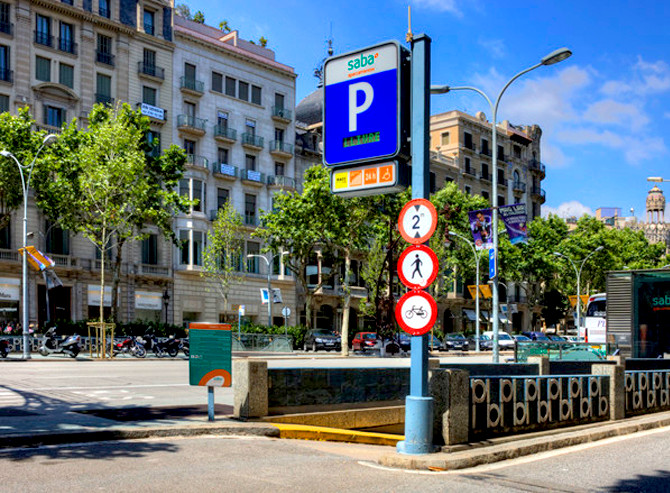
pixel 366 180
pixel 486 290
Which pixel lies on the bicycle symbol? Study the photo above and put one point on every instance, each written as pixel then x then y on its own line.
pixel 418 311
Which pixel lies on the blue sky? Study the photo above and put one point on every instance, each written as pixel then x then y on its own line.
pixel 605 112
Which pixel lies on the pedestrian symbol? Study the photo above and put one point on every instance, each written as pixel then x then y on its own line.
pixel 417 267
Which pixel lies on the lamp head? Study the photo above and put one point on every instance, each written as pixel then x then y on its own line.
pixel 439 89
pixel 599 248
pixel 5 153
pixel 49 139
pixel 556 56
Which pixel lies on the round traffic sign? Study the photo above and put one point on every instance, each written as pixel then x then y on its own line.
pixel 417 266
pixel 417 221
pixel 286 311
pixel 416 312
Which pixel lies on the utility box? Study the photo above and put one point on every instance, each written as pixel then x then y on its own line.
pixel 638 312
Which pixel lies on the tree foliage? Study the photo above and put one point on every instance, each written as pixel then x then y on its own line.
pixel 221 257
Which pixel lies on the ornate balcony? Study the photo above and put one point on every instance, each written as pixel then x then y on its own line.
pixel 252 177
pixel 225 134
pixel 191 86
pixel 225 171
pixel 191 124
pixel 537 166
pixel 539 194
pixel 279 148
pixel 281 114
pixel 518 187
pixel 252 141
pixel 282 182
pixel 151 71
pixel 197 161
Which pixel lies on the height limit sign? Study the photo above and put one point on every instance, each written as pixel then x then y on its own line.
pixel 418 265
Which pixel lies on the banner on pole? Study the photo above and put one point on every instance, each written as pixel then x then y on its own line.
pixel 480 225
pixel 514 217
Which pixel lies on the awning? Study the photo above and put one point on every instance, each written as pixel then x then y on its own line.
pixel 484 315
pixel 503 319
pixel 470 314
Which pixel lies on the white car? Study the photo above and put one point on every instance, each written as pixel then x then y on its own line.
pixel 505 341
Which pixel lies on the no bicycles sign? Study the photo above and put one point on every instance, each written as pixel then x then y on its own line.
pixel 416 312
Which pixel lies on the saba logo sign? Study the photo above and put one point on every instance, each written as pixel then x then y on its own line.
pixel 362 61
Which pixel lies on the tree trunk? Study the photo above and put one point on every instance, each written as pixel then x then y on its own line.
pixel 116 279
pixel 347 304
pixel 308 309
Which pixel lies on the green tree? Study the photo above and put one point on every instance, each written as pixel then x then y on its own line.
pixel 299 223
pixel 221 257
pixel 184 11
pixel 223 25
pixel 263 41
pixel 199 17
pixel 99 182
pixel 17 137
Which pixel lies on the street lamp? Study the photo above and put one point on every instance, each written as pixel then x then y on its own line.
pixel 166 302
pixel 579 274
pixel 25 185
pixel 269 264
pixel 550 59
pixel 474 252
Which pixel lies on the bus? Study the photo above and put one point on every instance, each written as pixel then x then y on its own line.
pixel 594 325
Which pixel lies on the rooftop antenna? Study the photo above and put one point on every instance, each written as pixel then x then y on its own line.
pixel 318 71
pixel 409 36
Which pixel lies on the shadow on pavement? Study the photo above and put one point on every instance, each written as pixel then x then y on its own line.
pixel 643 483
pixel 104 450
pixel 155 413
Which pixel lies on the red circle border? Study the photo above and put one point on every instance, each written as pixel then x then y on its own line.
pixel 427 203
pixel 401 322
pixel 431 254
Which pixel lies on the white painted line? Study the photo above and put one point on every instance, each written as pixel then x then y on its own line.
pixel 113 387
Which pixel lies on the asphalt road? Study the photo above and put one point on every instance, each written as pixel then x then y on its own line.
pixel 634 463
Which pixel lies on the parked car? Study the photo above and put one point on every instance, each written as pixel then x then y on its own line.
pixel 365 341
pixel 556 338
pixel 316 339
pixel 521 338
pixel 485 343
pixel 454 342
pixel 537 336
pixel 434 343
pixel 505 340
pixel 404 341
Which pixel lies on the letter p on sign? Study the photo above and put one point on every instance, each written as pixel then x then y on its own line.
pixel 354 109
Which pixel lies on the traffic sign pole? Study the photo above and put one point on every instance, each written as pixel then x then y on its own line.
pixel 419 405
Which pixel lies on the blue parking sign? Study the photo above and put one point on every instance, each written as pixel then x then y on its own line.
pixel 366 105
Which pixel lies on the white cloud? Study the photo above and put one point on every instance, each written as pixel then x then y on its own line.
pixel 635 148
pixel 567 209
pixel 496 47
pixel 608 111
pixel 439 5
pixel 644 78
pixel 554 155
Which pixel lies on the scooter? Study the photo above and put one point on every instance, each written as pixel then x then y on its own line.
pixel 52 345
pixel 5 348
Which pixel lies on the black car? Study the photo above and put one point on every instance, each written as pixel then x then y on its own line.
pixel 455 342
pixel 316 339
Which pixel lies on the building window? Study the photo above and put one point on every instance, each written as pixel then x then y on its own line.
pixel 66 38
pixel 222 120
pixel 189 72
pixel 230 86
pixel 501 153
pixel 43 30
pixel 103 84
pixel 154 142
pixel 222 154
pixel 279 101
pixel 5 24
pixel 485 172
pixel 5 72
pixel 150 250
pixel 198 244
pixel 194 190
pixel 444 139
pixel 279 168
pixel 468 190
pixel 243 88
pixel 217 82
pixel 6 237
pixel 43 69
pixel 149 22
pixel 432 183
pixel 485 147
pixel 54 116
pixel 279 135
pixel 189 109
pixel 249 209
pixel 4 103
pixel 222 197
pixel 517 177
pixel 253 248
pixel 256 95
pixel 149 95
pixel 189 147
pixel 250 162
pixel 517 152
pixel 57 240
pixel 185 240
pixel 149 62
pixel 104 50
pixel 468 168
pixel 467 140
pixel 485 194
pixel 501 176
pixel 501 200
pixel 66 75
pixel 250 127
pixel 103 8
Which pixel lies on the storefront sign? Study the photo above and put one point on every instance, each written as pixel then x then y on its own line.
pixel 94 295
pixel 147 300
pixel 9 289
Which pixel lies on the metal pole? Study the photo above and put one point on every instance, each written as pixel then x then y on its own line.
pixel 419 405
pixel 477 311
pixel 210 403
pixel 24 284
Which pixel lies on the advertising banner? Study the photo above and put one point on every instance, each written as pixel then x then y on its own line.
pixel 480 225
pixel 514 217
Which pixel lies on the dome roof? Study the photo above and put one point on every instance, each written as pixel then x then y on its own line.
pixel 310 109
pixel 655 199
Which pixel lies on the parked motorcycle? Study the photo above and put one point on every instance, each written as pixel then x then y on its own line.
pixel 172 346
pixel 130 346
pixel 53 345
pixel 160 349
pixel 184 346
pixel 5 348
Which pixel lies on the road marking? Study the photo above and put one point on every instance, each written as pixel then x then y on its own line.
pixel 115 387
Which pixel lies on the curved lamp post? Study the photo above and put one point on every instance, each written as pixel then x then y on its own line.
pixel 25 184
pixel 550 59
pixel 474 252
pixel 579 275
pixel 269 264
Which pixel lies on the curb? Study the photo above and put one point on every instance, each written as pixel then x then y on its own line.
pixel 320 433
pixel 522 447
pixel 132 433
